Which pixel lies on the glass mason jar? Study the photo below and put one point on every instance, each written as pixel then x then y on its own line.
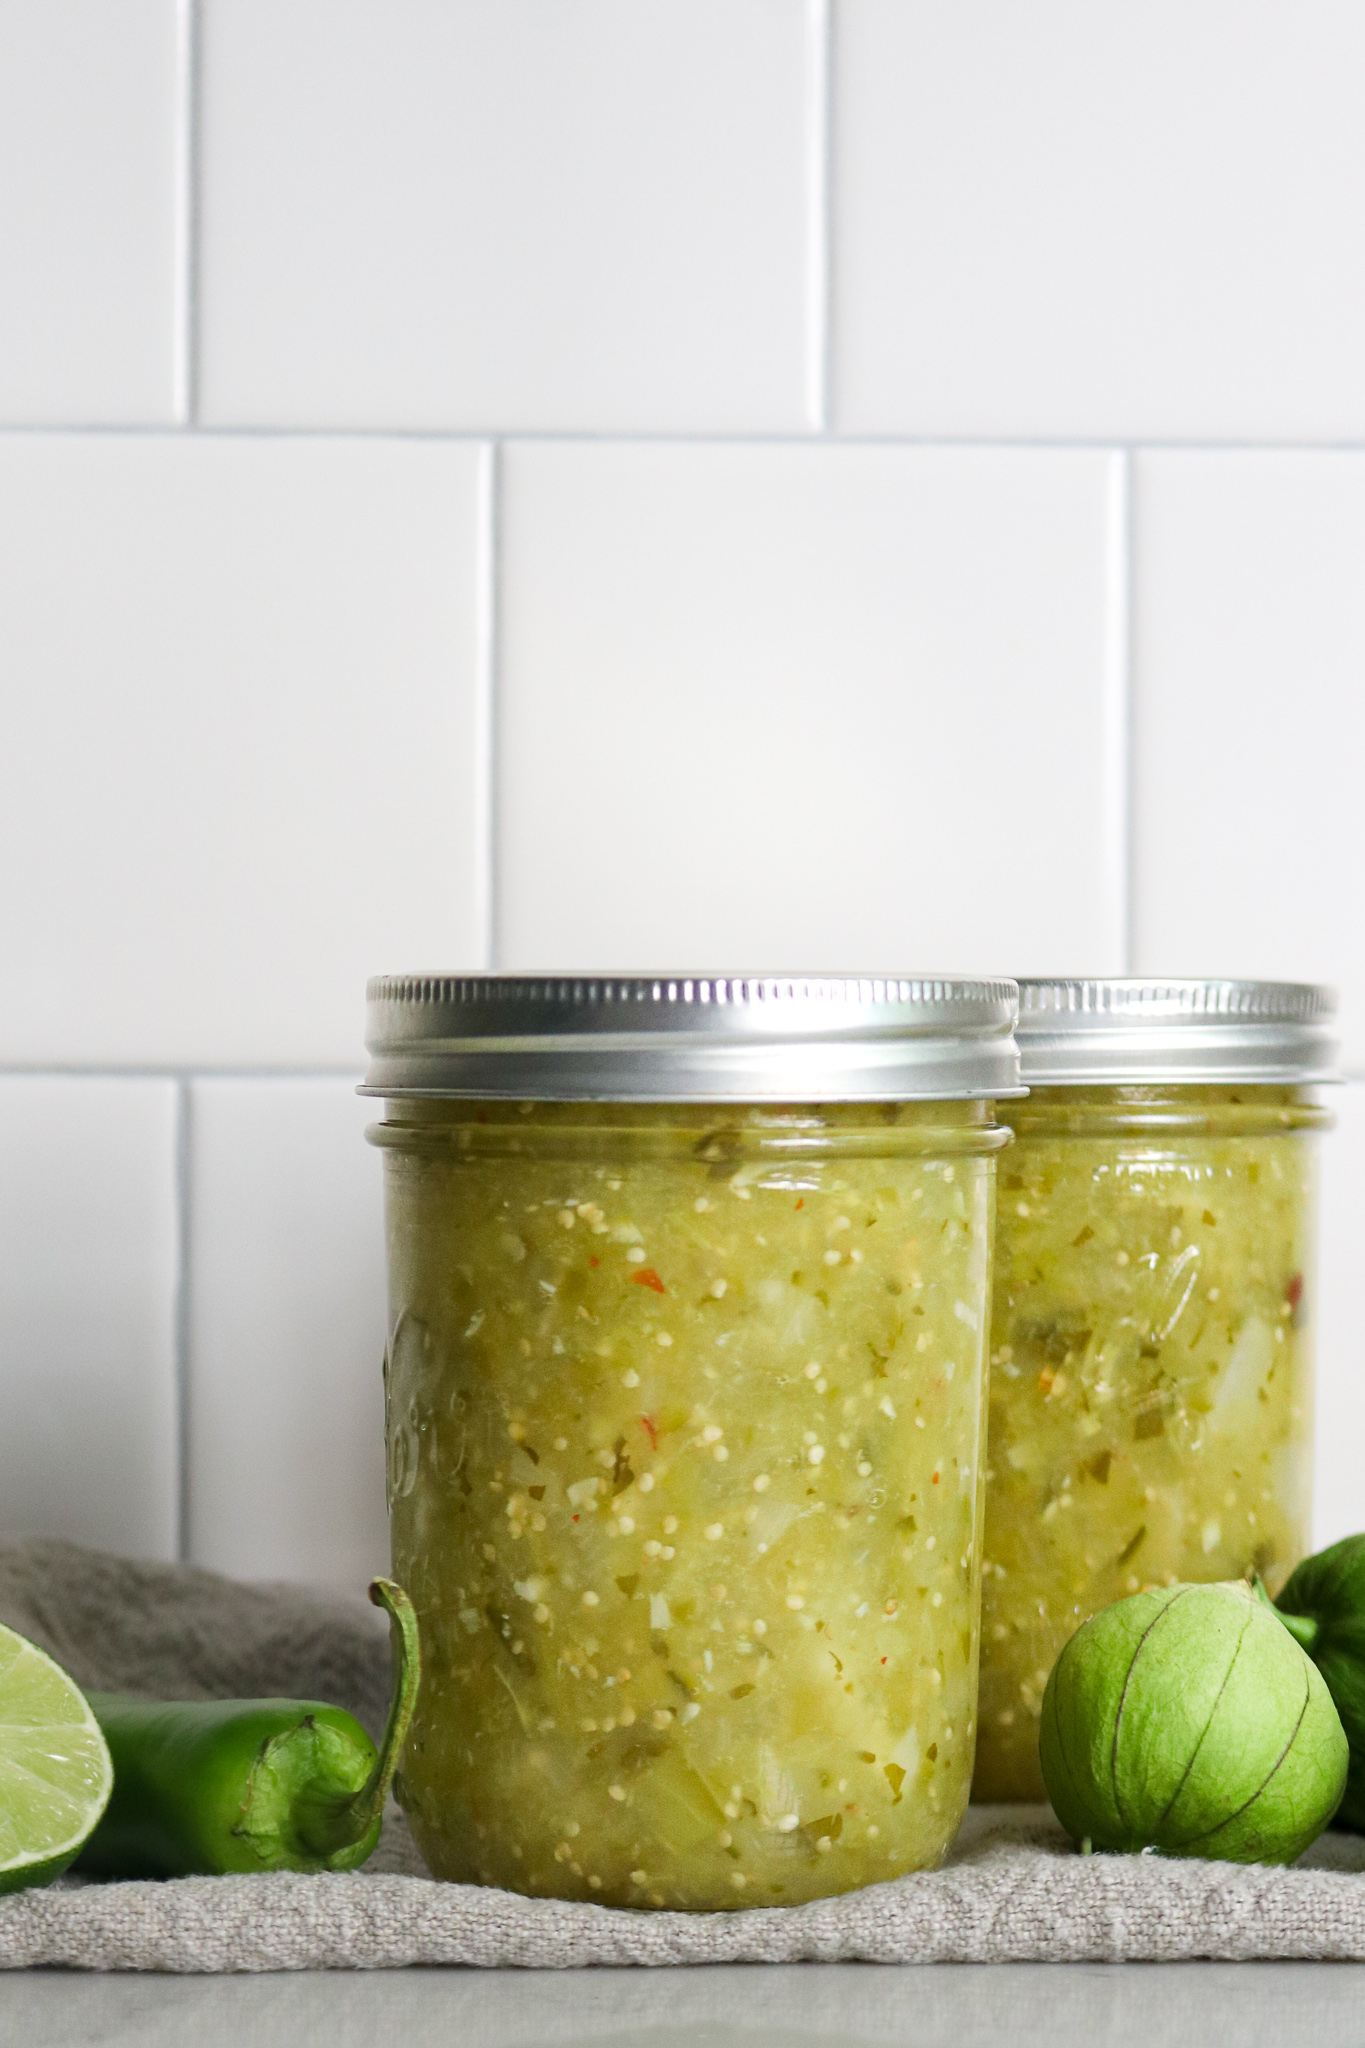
pixel 689 1290
pixel 1152 1332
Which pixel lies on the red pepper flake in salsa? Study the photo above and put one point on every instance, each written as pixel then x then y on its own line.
pixel 593 1259
pixel 652 1426
pixel 1293 1293
pixel 647 1277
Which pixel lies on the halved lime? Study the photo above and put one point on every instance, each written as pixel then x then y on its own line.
pixel 55 1773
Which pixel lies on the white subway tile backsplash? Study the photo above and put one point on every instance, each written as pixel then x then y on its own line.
pixel 240 741
pixel 87 224
pixel 1249 722
pixel 1135 220
pixel 287 1323
pixel 503 212
pixel 1339 1490
pixel 87 1312
pixel 309 691
pixel 818 707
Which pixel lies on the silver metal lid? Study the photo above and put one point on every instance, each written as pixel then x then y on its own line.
pixel 704 1038
pixel 1073 1032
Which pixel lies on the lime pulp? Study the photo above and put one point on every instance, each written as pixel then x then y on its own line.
pixel 55 1772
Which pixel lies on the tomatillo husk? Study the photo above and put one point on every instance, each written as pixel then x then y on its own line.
pixel 1188 1720
pixel 1322 1604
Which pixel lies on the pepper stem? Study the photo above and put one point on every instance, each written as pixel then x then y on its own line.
pixel 1304 1629
pixel 340 1826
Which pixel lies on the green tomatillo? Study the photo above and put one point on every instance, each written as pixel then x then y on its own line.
pixel 1322 1604
pixel 1187 1720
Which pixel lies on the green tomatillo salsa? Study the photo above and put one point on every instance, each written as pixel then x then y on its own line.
pixel 1151 1367
pixel 685 1428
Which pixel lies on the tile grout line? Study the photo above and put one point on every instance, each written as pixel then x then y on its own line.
pixel 1118 704
pixel 489 522
pixel 184 1138
pixel 47 1070
pixel 819 277
pixel 184 343
pixel 675 437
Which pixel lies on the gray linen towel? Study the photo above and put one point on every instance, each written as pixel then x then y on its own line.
pixel 1011 1891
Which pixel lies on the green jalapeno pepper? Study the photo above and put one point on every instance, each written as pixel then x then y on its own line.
pixel 214 1786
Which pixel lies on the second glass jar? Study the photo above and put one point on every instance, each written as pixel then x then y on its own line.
pixel 1151 1348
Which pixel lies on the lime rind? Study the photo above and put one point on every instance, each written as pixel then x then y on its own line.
pixel 55 1770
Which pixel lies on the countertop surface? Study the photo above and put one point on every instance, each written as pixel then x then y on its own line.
pixel 1028 2005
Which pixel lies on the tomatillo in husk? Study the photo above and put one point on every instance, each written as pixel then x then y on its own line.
pixel 1188 1720
pixel 1322 1604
